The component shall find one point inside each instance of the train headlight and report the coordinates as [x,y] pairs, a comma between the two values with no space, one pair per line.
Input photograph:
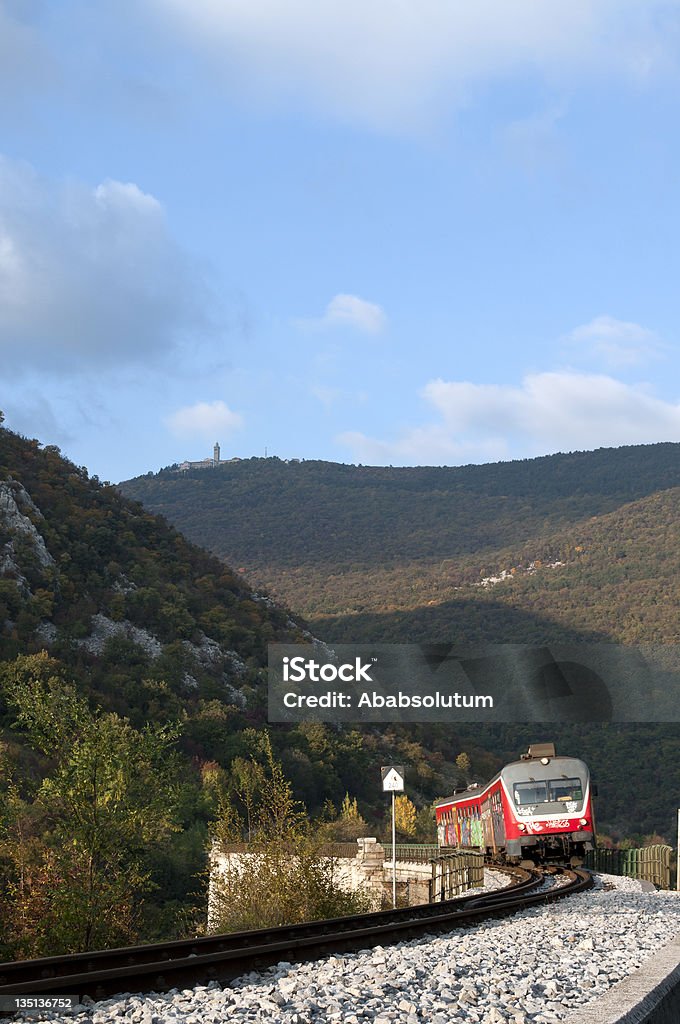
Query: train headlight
[545,760]
[583,821]
[522,827]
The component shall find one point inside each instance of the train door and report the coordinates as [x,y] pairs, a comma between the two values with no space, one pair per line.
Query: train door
[488,826]
[476,829]
[498,822]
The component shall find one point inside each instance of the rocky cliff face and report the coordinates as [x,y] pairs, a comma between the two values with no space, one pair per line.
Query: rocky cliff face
[115,592]
[18,516]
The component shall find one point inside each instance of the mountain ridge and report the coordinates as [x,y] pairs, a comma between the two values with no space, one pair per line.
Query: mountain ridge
[159,631]
[583,547]
[337,541]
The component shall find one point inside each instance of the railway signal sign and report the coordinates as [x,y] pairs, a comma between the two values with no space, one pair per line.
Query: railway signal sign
[393,782]
[393,779]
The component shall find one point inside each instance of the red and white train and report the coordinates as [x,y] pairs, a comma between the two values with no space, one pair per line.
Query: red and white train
[538,808]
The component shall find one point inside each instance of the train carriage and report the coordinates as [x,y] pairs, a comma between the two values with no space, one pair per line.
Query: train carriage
[538,808]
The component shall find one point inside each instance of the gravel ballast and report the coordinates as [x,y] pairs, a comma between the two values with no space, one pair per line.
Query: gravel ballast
[535,967]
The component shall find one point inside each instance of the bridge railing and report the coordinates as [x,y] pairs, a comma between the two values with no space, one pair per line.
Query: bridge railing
[412,853]
[324,849]
[650,863]
[455,873]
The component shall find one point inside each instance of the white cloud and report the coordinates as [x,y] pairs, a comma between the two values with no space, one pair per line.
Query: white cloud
[617,343]
[204,419]
[430,445]
[349,311]
[89,277]
[384,62]
[549,412]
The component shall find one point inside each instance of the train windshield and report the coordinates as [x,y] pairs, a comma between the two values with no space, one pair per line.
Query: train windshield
[561,790]
[530,793]
[548,791]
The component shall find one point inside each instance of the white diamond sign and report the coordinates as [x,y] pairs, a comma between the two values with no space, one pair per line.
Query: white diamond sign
[393,779]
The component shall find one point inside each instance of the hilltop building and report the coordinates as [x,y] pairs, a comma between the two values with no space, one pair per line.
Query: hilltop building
[206,463]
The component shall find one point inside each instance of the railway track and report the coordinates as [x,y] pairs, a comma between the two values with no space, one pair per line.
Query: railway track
[162,966]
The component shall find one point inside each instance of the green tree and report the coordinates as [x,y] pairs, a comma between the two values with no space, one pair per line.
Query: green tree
[24,882]
[107,800]
[284,877]
[426,829]
[247,778]
[346,826]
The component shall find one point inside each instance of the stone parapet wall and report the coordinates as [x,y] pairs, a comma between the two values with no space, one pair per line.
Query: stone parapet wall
[369,871]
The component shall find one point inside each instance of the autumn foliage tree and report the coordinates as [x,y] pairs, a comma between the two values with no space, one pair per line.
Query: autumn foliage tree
[346,826]
[76,847]
[284,876]
[405,816]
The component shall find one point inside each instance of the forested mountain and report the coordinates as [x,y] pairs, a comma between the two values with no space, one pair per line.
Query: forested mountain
[143,632]
[584,546]
[115,592]
[132,663]
[612,577]
[559,545]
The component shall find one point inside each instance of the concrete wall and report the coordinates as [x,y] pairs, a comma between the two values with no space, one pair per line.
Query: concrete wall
[650,995]
[368,871]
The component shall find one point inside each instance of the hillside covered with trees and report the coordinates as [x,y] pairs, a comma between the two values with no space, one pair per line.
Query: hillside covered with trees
[133,713]
[565,548]
[560,545]
[133,681]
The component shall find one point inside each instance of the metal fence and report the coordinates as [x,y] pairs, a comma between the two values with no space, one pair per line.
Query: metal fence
[455,873]
[324,849]
[413,853]
[651,863]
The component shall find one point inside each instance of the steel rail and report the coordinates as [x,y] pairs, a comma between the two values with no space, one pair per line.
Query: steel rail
[162,966]
[76,963]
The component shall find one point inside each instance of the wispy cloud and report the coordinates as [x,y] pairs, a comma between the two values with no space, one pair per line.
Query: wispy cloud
[30,412]
[548,412]
[89,277]
[533,141]
[205,420]
[333,397]
[431,445]
[616,343]
[388,64]
[348,311]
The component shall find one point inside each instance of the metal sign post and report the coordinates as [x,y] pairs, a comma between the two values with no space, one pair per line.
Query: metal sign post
[393,782]
[394,857]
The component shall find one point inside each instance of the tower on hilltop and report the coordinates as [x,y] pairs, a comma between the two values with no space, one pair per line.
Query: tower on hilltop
[216,453]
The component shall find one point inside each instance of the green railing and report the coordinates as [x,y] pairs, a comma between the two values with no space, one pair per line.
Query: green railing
[413,853]
[651,863]
[455,873]
[324,849]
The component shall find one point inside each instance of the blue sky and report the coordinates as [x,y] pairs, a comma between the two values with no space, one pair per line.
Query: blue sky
[388,232]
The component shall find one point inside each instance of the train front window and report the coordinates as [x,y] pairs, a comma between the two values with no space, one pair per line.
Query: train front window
[563,790]
[530,793]
[557,793]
